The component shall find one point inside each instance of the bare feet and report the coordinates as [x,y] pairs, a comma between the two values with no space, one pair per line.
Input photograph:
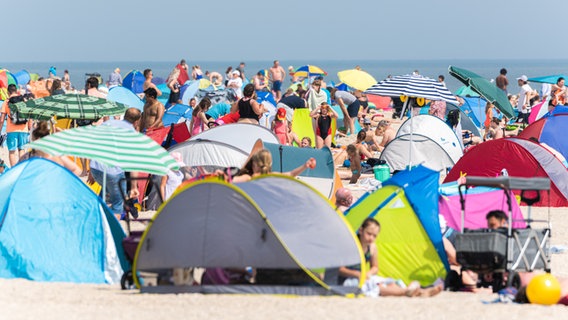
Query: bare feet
[431,291]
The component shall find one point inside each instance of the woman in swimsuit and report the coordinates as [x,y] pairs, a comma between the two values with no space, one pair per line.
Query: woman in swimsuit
[323,115]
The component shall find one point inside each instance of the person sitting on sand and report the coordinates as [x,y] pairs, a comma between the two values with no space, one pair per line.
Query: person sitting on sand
[374,285]
[306,142]
[343,199]
[261,163]
[370,137]
[386,131]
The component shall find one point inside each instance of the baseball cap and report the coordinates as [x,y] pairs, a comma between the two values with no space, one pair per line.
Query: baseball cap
[523,77]
[236,72]
[281,113]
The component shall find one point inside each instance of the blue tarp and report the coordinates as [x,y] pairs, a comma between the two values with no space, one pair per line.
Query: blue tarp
[54,228]
[174,113]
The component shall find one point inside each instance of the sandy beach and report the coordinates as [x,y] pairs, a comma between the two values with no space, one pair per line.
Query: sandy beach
[22,299]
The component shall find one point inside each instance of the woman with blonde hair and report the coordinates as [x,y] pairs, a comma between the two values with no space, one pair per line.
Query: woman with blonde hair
[261,163]
[174,85]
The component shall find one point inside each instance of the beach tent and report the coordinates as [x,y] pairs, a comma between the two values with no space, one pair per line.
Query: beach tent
[188,91]
[549,130]
[474,108]
[302,124]
[210,154]
[177,113]
[240,135]
[134,80]
[267,117]
[22,77]
[425,151]
[273,224]
[521,158]
[126,97]
[465,121]
[54,228]
[410,241]
[435,129]
[479,201]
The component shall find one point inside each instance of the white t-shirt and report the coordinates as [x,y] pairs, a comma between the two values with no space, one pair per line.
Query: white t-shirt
[525,89]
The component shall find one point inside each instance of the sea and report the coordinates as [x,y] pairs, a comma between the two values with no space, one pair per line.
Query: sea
[380,69]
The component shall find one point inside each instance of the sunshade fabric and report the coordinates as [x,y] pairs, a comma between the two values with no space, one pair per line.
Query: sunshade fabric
[486,89]
[425,151]
[412,86]
[72,106]
[357,79]
[246,225]
[552,79]
[110,145]
[240,135]
[200,152]
[308,71]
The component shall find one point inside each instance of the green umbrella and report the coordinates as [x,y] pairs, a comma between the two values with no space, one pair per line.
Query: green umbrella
[124,148]
[486,89]
[72,106]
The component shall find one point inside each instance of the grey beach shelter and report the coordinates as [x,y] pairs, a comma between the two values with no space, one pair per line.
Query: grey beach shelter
[273,224]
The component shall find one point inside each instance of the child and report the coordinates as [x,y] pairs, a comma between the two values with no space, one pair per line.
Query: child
[280,126]
[199,120]
[374,285]
[306,142]
[354,163]
[323,116]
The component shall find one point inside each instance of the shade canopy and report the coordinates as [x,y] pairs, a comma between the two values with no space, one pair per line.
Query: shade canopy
[357,79]
[412,86]
[110,145]
[489,91]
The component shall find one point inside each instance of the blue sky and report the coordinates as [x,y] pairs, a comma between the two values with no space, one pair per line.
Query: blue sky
[167,30]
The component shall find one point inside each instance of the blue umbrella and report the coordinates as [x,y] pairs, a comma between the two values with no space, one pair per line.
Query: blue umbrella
[552,79]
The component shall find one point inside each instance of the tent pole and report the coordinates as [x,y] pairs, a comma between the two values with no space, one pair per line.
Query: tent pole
[104,184]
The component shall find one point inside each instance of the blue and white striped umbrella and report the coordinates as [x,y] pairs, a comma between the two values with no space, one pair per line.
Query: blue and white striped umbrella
[413,86]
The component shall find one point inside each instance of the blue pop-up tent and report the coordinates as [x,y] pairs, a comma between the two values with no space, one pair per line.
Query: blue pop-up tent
[54,228]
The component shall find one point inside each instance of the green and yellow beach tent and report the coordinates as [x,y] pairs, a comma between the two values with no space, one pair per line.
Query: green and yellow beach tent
[274,224]
[410,241]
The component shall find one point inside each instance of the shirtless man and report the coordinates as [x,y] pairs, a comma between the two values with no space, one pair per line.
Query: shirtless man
[370,138]
[277,75]
[386,131]
[148,74]
[153,111]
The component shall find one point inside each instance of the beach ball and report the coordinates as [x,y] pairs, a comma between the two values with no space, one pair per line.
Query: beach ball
[544,289]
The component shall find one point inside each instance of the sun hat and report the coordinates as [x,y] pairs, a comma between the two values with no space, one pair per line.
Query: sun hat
[281,113]
[523,77]
[177,157]
[236,72]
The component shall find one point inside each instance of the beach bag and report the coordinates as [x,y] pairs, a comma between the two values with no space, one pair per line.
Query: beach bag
[15,115]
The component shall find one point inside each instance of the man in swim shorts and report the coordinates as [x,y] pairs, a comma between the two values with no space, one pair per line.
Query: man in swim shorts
[277,75]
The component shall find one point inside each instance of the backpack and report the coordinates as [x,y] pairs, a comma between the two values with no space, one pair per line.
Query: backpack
[15,115]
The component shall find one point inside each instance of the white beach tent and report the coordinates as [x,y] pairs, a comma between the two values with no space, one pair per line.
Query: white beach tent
[435,129]
[424,151]
[274,224]
[239,135]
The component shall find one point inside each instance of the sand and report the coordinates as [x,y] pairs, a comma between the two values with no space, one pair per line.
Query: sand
[22,299]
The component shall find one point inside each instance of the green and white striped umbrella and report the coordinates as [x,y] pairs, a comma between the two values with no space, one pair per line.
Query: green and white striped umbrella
[113,146]
[72,106]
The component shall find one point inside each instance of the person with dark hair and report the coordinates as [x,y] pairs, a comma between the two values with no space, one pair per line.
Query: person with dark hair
[17,134]
[496,219]
[93,88]
[349,106]
[56,88]
[199,119]
[249,109]
[501,81]
[153,111]
[558,92]
[148,75]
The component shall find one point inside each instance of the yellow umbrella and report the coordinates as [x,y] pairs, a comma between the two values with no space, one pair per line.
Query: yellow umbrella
[357,79]
[308,71]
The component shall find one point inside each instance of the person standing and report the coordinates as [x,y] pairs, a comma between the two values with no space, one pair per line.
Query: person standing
[183,74]
[501,81]
[148,75]
[153,111]
[277,75]
[114,79]
[241,69]
[17,134]
[525,95]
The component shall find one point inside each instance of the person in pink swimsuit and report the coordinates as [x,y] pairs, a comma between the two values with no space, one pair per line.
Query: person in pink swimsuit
[280,126]
[199,121]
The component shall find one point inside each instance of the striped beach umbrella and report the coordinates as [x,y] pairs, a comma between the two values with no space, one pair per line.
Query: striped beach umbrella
[416,86]
[120,147]
[71,106]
